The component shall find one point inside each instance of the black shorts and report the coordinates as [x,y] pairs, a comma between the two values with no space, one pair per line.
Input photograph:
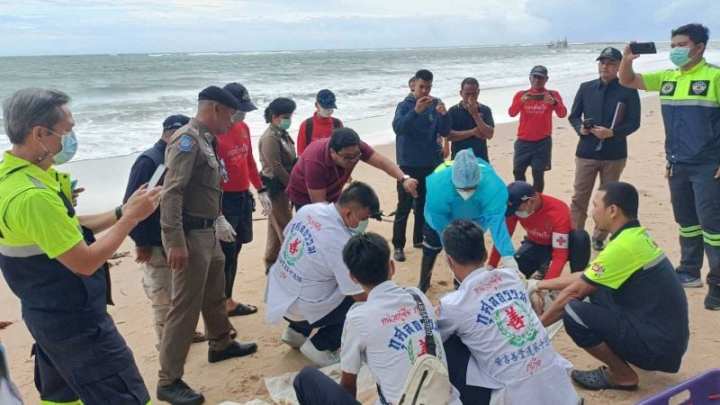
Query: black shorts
[536,154]
[589,324]
[237,207]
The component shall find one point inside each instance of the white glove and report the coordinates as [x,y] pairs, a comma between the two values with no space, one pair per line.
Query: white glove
[224,230]
[265,203]
[532,286]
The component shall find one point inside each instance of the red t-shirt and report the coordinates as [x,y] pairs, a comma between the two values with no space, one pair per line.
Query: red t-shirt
[322,128]
[316,170]
[548,226]
[536,115]
[235,149]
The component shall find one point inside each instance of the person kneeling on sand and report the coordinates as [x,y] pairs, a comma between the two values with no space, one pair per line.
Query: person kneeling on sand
[637,312]
[309,285]
[385,332]
[497,350]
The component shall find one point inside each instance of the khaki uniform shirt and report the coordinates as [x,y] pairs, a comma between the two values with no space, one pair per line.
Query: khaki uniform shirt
[192,181]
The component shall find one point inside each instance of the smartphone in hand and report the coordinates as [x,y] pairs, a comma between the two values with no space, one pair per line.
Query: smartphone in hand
[640,48]
[155,179]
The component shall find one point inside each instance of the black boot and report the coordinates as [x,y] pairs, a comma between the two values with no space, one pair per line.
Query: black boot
[426,268]
[179,393]
[236,349]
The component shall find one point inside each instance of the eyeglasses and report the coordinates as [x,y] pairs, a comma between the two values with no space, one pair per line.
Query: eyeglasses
[351,158]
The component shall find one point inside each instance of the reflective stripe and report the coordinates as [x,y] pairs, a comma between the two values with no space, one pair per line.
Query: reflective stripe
[20,251]
[711,239]
[75,402]
[654,262]
[690,103]
[691,231]
[574,316]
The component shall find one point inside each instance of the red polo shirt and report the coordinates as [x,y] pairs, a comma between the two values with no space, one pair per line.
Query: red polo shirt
[322,128]
[536,115]
[235,149]
[316,170]
[548,226]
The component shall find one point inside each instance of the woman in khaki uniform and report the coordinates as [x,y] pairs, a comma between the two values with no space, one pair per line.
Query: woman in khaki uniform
[277,157]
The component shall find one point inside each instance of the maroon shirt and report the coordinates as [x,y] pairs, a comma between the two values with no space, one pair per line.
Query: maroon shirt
[316,170]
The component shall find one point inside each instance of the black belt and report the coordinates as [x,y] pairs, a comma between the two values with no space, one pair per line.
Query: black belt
[190,223]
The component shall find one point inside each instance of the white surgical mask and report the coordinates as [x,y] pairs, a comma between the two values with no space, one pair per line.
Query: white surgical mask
[465,194]
[360,228]
[522,214]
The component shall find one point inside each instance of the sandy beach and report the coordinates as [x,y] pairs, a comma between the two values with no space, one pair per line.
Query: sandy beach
[242,379]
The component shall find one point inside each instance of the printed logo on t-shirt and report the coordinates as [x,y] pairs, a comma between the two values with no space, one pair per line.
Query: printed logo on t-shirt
[560,240]
[668,88]
[516,324]
[598,269]
[699,87]
[299,241]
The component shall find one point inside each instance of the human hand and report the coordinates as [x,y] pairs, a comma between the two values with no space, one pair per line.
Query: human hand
[75,193]
[627,53]
[410,185]
[142,203]
[602,132]
[549,99]
[524,97]
[143,254]
[422,104]
[223,230]
[177,258]
[265,203]
[440,108]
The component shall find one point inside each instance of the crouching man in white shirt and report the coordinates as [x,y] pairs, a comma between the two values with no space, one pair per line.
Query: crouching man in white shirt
[385,332]
[309,284]
[497,350]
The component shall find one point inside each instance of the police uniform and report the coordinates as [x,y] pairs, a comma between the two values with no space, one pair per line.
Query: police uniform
[189,207]
[79,354]
[691,113]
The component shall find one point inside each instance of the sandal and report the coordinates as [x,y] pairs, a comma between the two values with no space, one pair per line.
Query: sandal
[598,379]
[242,310]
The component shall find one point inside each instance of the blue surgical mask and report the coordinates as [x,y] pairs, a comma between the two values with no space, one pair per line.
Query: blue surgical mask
[68,148]
[360,228]
[680,56]
[285,123]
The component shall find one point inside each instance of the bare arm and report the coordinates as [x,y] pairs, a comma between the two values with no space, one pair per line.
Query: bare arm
[98,222]
[349,383]
[578,289]
[626,74]
[455,136]
[388,166]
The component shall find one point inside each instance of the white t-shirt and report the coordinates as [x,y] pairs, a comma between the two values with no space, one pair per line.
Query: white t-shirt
[386,333]
[510,350]
[309,278]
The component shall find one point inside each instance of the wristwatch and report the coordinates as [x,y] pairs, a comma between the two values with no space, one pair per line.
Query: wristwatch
[403,178]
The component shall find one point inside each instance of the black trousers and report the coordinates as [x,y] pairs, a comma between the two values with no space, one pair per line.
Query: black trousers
[329,327]
[237,209]
[312,387]
[537,155]
[458,356]
[406,202]
[532,257]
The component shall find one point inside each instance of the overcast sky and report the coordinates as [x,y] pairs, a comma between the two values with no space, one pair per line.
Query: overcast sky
[32,27]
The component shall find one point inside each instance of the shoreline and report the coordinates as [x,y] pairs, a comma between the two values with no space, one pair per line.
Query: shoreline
[242,379]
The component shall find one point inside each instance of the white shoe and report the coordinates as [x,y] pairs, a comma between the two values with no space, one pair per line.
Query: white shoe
[320,358]
[293,338]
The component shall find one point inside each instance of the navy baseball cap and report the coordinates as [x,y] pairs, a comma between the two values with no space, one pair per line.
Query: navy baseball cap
[242,95]
[326,98]
[175,121]
[539,70]
[518,193]
[610,53]
[218,95]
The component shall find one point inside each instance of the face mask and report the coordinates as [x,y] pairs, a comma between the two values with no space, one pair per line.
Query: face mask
[285,123]
[466,194]
[325,112]
[680,56]
[522,214]
[238,116]
[68,148]
[360,228]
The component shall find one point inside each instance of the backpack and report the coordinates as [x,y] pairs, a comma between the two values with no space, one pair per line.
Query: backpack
[428,382]
[309,128]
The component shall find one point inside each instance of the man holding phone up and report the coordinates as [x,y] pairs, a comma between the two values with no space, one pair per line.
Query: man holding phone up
[534,146]
[690,98]
[603,114]
[419,120]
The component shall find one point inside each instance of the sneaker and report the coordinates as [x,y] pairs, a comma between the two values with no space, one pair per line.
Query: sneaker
[236,349]
[688,281]
[293,338]
[598,245]
[179,393]
[320,358]
[399,255]
[712,299]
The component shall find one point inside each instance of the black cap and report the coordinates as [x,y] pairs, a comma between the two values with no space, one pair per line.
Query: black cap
[282,105]
[241,94]
[610,53]
[326,99]
[539,70]
[518,193]
[175,121]
[218,95]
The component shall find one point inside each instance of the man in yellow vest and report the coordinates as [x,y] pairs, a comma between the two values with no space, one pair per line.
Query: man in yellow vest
[79,354]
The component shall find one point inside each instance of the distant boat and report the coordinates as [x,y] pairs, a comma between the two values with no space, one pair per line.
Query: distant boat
[558,44]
